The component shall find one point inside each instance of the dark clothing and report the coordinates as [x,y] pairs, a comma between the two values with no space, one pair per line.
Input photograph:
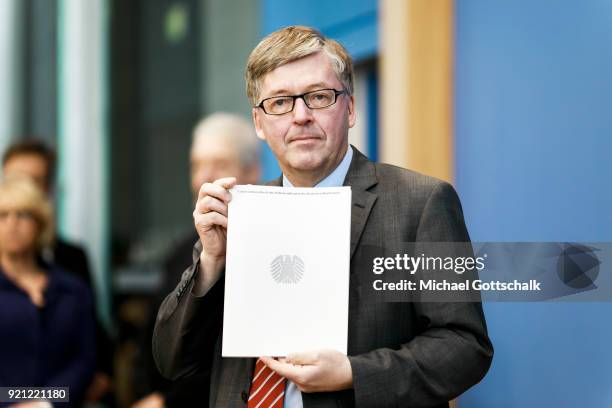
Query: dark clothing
[410,354]
[190,391]
[53,345]
[73,259]
[175,263]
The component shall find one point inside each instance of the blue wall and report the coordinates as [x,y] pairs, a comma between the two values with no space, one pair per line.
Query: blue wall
[352,23]
[533,129]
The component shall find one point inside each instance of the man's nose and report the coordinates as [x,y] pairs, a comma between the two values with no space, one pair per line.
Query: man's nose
[301,113]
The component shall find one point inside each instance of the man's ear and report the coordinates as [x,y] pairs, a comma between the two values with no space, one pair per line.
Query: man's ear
[351,112]
[257,123]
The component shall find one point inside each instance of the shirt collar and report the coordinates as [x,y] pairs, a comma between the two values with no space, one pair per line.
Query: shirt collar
[336,178]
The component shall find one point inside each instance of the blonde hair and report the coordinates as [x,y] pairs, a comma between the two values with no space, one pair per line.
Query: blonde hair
[289,44]
[21,193]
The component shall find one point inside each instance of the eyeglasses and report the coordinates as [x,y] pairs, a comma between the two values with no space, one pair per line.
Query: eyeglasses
[319,99]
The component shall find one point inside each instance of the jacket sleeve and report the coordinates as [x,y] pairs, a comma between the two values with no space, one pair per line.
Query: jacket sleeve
[452,351]
[187,326]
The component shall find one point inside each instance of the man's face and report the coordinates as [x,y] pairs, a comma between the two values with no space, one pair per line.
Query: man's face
[213,158]
[30,165]
[305,141]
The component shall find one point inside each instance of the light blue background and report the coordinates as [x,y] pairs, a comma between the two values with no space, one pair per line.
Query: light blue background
[533,128]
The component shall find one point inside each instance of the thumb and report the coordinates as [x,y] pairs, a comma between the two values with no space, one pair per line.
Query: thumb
[303,358]
[226,182]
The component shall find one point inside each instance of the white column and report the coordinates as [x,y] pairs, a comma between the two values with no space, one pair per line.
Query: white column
[83,136]
[11,78]
[394,138]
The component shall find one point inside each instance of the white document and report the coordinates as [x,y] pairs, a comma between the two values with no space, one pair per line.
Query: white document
[287,270]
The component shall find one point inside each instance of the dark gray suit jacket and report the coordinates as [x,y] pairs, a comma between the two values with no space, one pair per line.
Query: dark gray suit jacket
[411,354]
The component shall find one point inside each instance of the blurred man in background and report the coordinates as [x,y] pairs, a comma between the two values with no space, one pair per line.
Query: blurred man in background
[34,159]
[223,145]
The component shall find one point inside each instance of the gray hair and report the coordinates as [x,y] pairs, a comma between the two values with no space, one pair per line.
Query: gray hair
[233,128]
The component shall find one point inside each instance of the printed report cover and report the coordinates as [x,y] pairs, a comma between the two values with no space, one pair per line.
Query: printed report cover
[287,270]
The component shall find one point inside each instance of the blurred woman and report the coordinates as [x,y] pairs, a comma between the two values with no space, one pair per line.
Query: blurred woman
[47,326]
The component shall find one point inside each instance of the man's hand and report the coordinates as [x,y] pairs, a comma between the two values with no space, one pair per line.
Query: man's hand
[210,219]
[315,371]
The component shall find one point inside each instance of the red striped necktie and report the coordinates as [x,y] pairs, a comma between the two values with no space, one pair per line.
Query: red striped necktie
[267,388]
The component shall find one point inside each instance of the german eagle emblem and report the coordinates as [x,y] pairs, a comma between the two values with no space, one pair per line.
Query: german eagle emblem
[287,269]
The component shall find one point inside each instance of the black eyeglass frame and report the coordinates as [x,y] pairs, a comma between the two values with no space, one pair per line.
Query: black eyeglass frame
[300,96]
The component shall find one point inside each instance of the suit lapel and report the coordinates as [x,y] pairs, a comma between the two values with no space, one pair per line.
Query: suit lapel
[361,176]
[361,205]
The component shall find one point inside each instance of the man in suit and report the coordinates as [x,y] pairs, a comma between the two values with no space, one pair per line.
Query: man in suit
[400,354]
[223,144]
